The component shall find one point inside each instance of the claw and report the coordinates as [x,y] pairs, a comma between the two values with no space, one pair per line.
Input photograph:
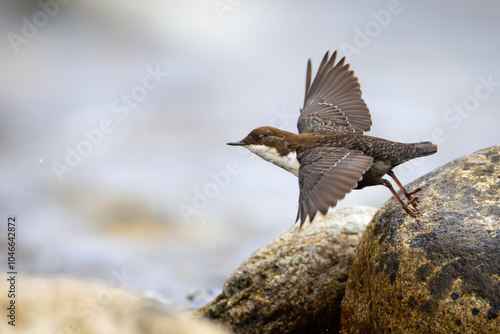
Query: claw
[414,201]
[412,212]
[416,190]
[413,197]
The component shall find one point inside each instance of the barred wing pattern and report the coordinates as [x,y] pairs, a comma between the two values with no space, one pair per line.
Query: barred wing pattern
[333,100]
[326,175]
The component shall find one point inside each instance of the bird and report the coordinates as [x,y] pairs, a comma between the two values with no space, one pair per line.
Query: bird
[331,155]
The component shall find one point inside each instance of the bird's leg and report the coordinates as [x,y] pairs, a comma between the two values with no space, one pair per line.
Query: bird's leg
[412,212]
[413,200]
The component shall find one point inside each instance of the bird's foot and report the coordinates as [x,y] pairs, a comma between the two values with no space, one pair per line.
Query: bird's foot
[412,211]
[416,190]
[413,199]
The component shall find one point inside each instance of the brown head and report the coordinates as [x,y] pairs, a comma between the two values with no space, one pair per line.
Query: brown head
[273,145]
[282,141]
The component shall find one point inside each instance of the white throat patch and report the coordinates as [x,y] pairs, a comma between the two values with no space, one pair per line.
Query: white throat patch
[288,162]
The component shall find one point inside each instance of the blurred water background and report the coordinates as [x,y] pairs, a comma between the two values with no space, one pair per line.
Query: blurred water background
[114,117]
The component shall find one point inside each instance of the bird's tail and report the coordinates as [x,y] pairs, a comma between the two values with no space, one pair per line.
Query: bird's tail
[425,148]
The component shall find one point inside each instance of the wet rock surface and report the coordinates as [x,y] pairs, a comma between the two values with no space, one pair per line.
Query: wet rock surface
[294,284]
[437,275]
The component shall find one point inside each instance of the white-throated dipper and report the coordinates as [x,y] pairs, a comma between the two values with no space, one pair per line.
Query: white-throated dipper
[331,155]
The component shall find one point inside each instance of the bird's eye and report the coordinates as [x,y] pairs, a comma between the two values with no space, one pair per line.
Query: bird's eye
[259,137]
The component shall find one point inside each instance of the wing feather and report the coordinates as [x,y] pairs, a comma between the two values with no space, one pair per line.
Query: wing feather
[326,175]
[333,101]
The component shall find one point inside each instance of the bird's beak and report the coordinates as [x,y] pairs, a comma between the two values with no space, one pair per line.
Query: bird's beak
[237,143]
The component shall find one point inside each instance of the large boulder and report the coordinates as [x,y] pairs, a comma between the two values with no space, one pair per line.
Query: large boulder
[437,275]
[296,283]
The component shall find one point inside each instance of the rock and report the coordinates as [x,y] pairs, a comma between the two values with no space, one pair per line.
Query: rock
[437,275]
[49,304]
[295,284]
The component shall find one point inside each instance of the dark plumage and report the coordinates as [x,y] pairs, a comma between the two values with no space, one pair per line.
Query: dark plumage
[331,155]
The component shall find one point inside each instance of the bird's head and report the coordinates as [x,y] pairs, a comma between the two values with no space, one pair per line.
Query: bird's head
[267,136]
[274,145]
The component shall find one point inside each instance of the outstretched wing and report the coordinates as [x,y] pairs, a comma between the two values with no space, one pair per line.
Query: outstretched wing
[333,101]
[326,175]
